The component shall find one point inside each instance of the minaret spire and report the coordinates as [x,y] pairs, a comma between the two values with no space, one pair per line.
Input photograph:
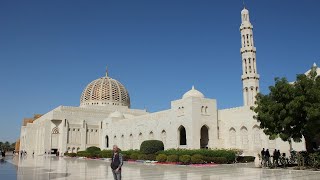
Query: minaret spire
[250,76]
[106,71]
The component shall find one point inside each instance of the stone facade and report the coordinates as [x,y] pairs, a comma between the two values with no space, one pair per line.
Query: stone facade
[104,118]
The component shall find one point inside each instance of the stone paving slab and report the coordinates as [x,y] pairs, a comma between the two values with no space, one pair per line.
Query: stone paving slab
[45,168]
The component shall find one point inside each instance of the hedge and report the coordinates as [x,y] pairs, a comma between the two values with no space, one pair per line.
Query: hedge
[151,146]
[228,154]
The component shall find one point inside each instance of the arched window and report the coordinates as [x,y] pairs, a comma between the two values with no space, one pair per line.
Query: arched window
[256,137]
[55,130]
[107,141]
[244,137]
[182,136]
[232,137]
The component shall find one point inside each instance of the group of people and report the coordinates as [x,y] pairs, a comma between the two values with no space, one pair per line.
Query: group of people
[265,156]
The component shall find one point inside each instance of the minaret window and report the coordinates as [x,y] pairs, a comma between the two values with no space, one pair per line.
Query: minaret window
[245,63]
[244,40]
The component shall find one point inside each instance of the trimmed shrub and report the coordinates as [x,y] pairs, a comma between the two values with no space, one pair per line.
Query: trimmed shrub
[71,154]
[142,157]
[151,146]
[185,159]
[173,158]
[151,157]
[93,149]
[82,154]
[197,159]
[208,159]
[219,160]
[227,153]
[161,158]
[245,159]
[134,156]
[106,153]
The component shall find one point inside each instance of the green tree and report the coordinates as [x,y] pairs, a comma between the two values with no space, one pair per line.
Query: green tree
[6,146]
[1,145]
[291,111]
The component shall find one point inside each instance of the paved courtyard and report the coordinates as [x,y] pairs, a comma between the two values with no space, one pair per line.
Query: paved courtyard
[42,168]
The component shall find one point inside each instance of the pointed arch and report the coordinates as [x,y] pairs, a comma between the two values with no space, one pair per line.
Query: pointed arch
[182,135]
[204,136]
[244,137]
[107,141]
[164,137]
[232,137]
[256,137]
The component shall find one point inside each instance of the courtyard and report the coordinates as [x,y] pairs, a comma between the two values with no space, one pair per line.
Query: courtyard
[51,167]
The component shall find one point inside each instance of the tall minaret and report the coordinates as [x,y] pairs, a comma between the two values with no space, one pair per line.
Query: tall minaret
[250,76]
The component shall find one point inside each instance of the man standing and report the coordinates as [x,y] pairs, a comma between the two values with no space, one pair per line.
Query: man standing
[116,163]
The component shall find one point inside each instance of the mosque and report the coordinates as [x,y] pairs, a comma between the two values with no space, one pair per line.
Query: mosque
[104,118]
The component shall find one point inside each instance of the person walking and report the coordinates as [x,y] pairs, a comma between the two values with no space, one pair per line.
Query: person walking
[267,157]
[263,157]
[116,163]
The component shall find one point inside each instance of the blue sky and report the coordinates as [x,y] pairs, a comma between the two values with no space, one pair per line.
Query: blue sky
[50,50]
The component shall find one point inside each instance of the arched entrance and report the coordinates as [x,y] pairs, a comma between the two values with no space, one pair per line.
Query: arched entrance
[204,138]
[182,136]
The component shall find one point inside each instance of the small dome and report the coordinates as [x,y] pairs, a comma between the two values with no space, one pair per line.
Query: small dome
[116,114]
[193,93]
[104,91]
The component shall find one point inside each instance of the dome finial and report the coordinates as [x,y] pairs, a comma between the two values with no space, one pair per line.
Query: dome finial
[314,64]
[192,86]
[106,71]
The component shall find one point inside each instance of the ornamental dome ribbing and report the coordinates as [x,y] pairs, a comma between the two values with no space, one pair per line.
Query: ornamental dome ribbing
[104,91]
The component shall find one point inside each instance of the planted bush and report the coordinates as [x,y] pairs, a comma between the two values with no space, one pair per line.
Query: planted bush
[134,156]
[82,154]
[197,159]
[173,158]
[244,159]
[71,154]
[151,157]
[161,158]
[185,159]
[93,149]
[151,146]
[142,157]
[219,160]
[228,154]
[106,153]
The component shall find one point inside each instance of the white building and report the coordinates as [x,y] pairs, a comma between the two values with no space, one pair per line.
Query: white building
[105,118]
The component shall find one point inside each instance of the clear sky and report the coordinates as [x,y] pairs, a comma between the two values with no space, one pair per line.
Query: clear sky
[50,50]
